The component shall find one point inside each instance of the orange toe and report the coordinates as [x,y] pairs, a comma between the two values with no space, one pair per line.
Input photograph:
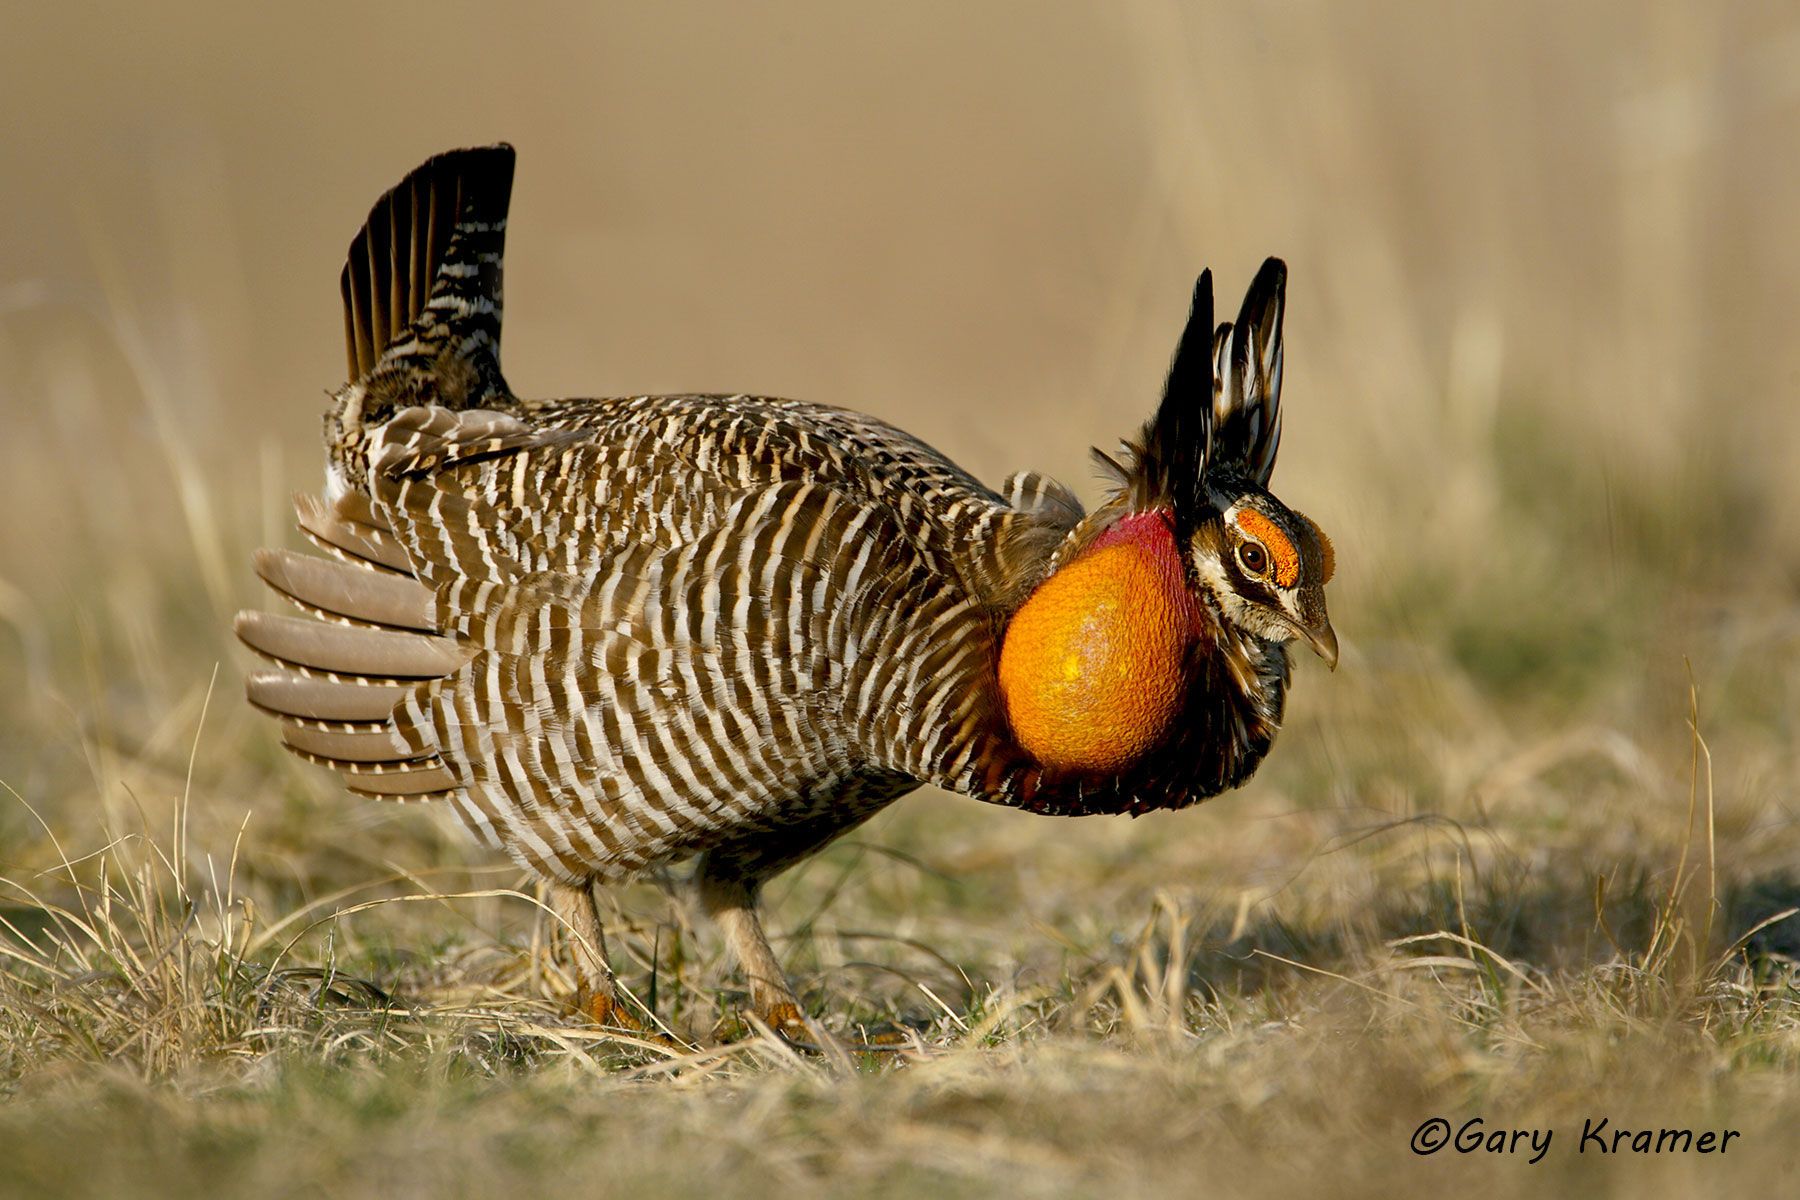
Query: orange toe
[605,1011]
[786,1019]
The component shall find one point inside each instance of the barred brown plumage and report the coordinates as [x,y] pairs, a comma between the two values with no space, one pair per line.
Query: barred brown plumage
[615,633]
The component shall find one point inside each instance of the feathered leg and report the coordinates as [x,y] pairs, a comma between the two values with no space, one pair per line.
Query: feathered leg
[731,875]
[595,994]
[730,900]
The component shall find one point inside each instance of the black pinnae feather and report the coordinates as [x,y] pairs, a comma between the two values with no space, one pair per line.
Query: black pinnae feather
[1176,442]
[1246,425]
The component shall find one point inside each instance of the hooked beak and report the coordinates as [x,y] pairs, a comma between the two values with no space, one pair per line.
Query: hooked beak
[1323,640]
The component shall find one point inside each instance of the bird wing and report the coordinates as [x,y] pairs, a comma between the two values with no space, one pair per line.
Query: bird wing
[628,632]
[656,657]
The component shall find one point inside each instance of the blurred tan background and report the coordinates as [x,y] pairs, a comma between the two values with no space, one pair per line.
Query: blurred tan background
[1545,260]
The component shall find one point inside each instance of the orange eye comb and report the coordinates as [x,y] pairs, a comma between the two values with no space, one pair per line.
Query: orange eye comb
[1286,559]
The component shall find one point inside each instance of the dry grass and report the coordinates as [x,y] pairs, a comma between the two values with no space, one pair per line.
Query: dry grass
[1530,855]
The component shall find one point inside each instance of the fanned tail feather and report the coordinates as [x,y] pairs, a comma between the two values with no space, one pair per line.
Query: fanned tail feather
[337,675]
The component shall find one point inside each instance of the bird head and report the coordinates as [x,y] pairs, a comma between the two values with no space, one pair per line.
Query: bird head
[1265,567]
[1194,557]
[1207,457]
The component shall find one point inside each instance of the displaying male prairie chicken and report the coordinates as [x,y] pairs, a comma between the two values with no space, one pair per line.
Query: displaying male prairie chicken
[618,633]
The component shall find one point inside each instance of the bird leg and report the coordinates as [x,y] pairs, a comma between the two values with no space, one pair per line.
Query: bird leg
[595,994]
[731,874]
[730,901]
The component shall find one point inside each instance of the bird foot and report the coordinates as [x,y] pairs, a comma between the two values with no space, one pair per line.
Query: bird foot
[604,1010]
[788,1021]
[783,1019]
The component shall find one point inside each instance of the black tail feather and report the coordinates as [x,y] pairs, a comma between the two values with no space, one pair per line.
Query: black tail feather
[434,241]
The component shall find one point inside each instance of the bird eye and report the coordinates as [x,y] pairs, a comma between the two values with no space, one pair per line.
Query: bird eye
[1253,557]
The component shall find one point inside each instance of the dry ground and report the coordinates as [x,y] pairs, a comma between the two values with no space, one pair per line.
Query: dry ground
[1530,856]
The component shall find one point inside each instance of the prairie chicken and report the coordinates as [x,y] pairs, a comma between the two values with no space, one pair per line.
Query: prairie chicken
[618,633]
